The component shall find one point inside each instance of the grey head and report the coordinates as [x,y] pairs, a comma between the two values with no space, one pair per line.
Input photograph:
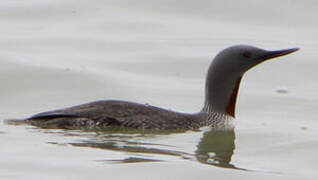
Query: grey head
[225,73]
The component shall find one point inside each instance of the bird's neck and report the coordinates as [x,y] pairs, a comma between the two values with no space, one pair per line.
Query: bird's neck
[221,93]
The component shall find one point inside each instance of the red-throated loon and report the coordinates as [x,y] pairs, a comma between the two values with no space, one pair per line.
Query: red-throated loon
[222,84]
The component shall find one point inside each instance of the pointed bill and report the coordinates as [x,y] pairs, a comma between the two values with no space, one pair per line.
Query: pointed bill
[274,54]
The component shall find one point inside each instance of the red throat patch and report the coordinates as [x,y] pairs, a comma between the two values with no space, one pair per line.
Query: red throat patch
[230,107]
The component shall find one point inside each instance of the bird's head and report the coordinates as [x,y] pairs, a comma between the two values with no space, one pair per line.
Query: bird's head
[225,73]
[240,58]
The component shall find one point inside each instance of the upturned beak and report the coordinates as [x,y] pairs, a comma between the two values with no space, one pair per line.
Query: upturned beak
[273,54]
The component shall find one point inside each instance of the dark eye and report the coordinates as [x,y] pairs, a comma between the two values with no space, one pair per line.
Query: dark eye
[247,54]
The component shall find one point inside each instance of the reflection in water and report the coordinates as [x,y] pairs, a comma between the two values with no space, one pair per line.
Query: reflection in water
[129,143]
[216,148]
[134,160]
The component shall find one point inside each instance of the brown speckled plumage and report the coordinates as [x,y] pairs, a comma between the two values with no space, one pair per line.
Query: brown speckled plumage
[117,113]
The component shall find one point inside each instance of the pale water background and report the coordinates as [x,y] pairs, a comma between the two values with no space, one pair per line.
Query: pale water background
[57,53]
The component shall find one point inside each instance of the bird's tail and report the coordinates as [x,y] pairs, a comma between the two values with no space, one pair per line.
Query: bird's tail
[15,122]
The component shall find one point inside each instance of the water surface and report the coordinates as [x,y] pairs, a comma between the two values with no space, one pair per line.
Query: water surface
[56,54]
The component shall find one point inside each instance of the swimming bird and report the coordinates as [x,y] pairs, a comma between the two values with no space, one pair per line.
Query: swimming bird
[221,89]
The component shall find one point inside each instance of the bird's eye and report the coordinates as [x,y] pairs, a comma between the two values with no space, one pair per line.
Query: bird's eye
[247,54]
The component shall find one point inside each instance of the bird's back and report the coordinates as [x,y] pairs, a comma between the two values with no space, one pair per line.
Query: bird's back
[116,113]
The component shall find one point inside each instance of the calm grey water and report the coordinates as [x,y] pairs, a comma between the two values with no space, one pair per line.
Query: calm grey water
[57,53]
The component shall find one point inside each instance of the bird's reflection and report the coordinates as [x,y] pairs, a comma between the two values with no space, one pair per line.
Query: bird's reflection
[216,148]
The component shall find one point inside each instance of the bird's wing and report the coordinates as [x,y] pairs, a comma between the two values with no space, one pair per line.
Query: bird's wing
[115,113]
[100,111]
